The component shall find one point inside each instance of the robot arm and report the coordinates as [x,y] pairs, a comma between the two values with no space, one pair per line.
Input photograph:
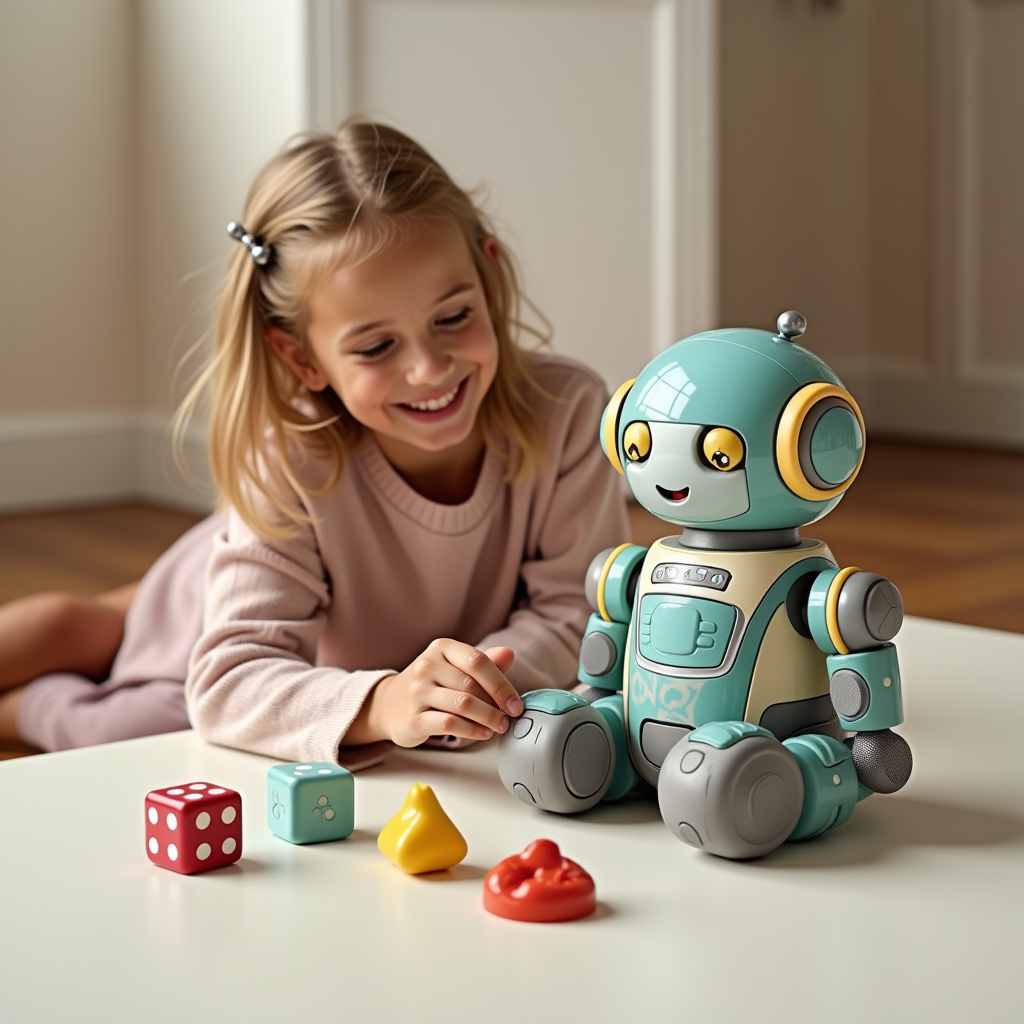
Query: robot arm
[852,616]
[610,587]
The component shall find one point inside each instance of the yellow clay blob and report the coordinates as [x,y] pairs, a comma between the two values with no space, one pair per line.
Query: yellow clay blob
[421,837]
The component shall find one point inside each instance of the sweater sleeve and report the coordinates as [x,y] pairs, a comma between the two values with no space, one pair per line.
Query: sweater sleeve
[579,509]
[252,680]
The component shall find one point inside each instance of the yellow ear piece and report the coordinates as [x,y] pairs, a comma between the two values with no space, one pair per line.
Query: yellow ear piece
[723,448]
[819,447]
[610,424]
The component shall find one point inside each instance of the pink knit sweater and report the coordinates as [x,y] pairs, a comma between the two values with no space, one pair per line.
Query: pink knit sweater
[297,632]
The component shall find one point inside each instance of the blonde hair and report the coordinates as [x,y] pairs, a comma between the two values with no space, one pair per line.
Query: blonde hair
[324,200]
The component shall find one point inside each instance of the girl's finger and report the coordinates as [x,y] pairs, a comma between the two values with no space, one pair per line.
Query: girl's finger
[444,673]
[503,657]
[442,723]
[479,667]
[470,707]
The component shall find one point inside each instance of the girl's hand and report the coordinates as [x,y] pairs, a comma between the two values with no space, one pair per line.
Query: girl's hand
[450,689]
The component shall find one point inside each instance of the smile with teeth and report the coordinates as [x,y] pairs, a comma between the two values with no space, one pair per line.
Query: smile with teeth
[668,495]
[435,404]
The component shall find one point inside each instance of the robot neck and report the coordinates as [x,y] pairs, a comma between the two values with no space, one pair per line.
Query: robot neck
[739,540]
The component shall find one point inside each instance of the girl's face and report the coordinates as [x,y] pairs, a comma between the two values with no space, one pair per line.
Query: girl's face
[406,341]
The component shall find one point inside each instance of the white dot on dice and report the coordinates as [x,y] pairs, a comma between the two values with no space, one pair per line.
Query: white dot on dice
[204,851]
[172,851]
[198,785]
[325,771]
[329,814]
[303,767]
[216,792]
[323,801]
[154,846]
[172,822]
[153,816]
[228,846]
[193,796]
[175,792]
[227,815]
[202,820]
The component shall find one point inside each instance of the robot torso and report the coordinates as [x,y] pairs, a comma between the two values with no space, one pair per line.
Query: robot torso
[711,639]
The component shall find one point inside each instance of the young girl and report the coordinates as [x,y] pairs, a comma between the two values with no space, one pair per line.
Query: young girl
[412,499]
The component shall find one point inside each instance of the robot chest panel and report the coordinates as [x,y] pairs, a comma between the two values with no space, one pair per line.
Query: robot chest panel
[693,608]
[685,631]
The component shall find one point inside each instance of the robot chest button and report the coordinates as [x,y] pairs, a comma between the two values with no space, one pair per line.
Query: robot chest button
[686,632]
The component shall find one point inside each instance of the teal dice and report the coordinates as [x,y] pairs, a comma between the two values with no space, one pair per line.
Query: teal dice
[310,801]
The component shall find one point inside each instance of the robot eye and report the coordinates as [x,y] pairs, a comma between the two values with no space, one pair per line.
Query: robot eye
[637,441]
[723,448]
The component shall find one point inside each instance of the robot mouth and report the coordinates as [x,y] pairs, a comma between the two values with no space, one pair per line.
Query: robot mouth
[677,496]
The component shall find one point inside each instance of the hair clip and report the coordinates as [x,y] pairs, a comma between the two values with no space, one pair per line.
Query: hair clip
[259,252]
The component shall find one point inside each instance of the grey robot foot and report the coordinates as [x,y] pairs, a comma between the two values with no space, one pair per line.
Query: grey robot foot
[883,760]
[730,788]
[559,754]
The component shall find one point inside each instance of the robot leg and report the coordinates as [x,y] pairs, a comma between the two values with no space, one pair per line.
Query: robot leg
[730,788]
[565,755]
[831,786]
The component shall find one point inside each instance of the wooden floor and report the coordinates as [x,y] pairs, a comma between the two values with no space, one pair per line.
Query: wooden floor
[945,524]
[84,550]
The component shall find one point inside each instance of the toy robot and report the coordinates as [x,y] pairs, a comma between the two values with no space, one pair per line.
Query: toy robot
[743,653]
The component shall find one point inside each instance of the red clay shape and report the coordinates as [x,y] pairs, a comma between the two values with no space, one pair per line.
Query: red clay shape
[539,884]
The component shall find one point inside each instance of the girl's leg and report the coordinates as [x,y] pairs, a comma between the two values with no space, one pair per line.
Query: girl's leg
[9,702]
[64,710]
[57,632]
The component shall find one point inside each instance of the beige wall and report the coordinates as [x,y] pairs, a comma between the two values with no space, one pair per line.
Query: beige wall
[67,207]
[795,160]
[221,86]
[869,154]
[131,133]
[902,181]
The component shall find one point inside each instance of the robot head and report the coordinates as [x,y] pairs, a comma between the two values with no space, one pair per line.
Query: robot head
[736,429]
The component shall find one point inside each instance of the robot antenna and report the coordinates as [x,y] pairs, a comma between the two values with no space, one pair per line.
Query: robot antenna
[792,324]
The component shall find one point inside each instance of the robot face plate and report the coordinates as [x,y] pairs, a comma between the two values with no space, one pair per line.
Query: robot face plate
[674,483]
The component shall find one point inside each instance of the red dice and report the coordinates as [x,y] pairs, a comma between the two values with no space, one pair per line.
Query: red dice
[193,827]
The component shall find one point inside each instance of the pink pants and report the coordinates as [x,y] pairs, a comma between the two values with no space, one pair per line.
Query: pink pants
[64,710]
[145,693]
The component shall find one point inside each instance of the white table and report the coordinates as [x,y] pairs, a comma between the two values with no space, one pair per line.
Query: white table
[912,911]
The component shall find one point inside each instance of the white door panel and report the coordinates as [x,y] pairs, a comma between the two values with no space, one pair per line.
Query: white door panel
[973,389]
[872,167]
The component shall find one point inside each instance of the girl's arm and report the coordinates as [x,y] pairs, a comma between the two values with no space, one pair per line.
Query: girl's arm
[253,682]
[579,510]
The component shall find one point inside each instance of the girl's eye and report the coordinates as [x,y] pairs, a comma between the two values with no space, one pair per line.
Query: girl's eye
[455,319]
[376,350]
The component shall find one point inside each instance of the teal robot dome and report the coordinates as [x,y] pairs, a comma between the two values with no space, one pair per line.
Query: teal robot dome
[736,429]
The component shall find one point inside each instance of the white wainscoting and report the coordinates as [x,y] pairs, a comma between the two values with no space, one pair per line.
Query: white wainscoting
[55,460]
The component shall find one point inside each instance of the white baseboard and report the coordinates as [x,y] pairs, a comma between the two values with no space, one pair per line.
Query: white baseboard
[56,460]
